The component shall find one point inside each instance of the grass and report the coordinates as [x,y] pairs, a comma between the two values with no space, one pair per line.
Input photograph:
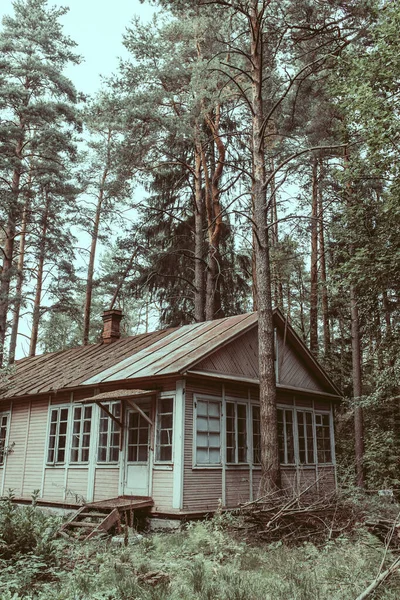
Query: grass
[204,562]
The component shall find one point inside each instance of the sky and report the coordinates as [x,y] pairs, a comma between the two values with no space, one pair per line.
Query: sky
[97,26]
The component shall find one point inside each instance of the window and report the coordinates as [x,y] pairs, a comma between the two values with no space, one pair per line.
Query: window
[306,438]
[81,426]
[164,429]
[109,434]
[58,435]
[3,436]
[322,432]
[236,433]
[313,442]
[138,437]
[285,436]
[208,432]
[256,435]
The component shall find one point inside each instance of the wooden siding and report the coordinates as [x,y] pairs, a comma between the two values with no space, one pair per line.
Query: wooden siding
[237,487]
[202,488]
[162,489]
[240,358]
[16,459]
[292,371]
[54,484]
[106,483]
[35,454]
[77,483]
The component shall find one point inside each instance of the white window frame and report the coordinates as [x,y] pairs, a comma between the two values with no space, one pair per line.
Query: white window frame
[111,423]
[236,402]
[3,452]
[81,433]
[294,431]
[58,408]
[157,428]
[215,400]
[314,413]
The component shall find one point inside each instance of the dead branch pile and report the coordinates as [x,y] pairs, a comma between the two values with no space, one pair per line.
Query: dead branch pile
[297,519]
[387,530]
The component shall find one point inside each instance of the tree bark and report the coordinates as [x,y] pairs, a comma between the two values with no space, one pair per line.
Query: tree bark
[39,277]
[314,263]
[270,466]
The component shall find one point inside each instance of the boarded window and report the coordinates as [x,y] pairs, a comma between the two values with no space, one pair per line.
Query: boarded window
[138,437]
[208,432]
[164,429]
[236,432]
[58,435]
[109,434]
[3,436]
[81,427]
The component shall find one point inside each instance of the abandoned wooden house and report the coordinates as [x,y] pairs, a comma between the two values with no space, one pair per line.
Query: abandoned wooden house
[172,416]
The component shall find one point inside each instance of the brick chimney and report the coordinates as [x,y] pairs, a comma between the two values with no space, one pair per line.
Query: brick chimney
[111,321]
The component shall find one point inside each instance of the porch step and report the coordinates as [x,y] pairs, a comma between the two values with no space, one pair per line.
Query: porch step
[97,518]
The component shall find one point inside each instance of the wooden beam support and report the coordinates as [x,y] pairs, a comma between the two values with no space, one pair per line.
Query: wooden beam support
[113,417]
[139,410]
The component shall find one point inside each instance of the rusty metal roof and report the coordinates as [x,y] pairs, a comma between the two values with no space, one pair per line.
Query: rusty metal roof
[165,352]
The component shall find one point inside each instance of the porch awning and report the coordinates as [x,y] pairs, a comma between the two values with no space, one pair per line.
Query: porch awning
[127,395]
[116,395]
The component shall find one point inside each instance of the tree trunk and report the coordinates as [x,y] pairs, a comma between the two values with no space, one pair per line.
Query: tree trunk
[322,270]
[199,295]
[19,284]
[314,263]
[214,214]
[8,250]
[357,388]
[93,246]
[270,466]
[356,359]
[39,278]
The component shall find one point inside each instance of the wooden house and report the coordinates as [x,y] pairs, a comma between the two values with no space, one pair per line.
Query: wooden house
[171,415]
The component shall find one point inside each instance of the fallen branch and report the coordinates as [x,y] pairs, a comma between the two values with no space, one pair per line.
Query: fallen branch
[379,580]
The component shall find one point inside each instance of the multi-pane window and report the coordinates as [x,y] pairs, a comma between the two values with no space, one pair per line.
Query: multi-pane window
[138,437]
[322,433]
[164,429]
[3,436]
[256,435]
[208,432]
[58,435]
[236,433]
[313,437]
[306,437]
[109,434]
[285,436]
[81,426]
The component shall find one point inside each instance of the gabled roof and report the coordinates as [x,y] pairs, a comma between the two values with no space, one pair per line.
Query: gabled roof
[164,352]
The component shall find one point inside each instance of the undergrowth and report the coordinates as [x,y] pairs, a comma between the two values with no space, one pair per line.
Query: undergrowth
[203,562]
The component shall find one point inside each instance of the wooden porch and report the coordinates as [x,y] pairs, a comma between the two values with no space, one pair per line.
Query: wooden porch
[97,518]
